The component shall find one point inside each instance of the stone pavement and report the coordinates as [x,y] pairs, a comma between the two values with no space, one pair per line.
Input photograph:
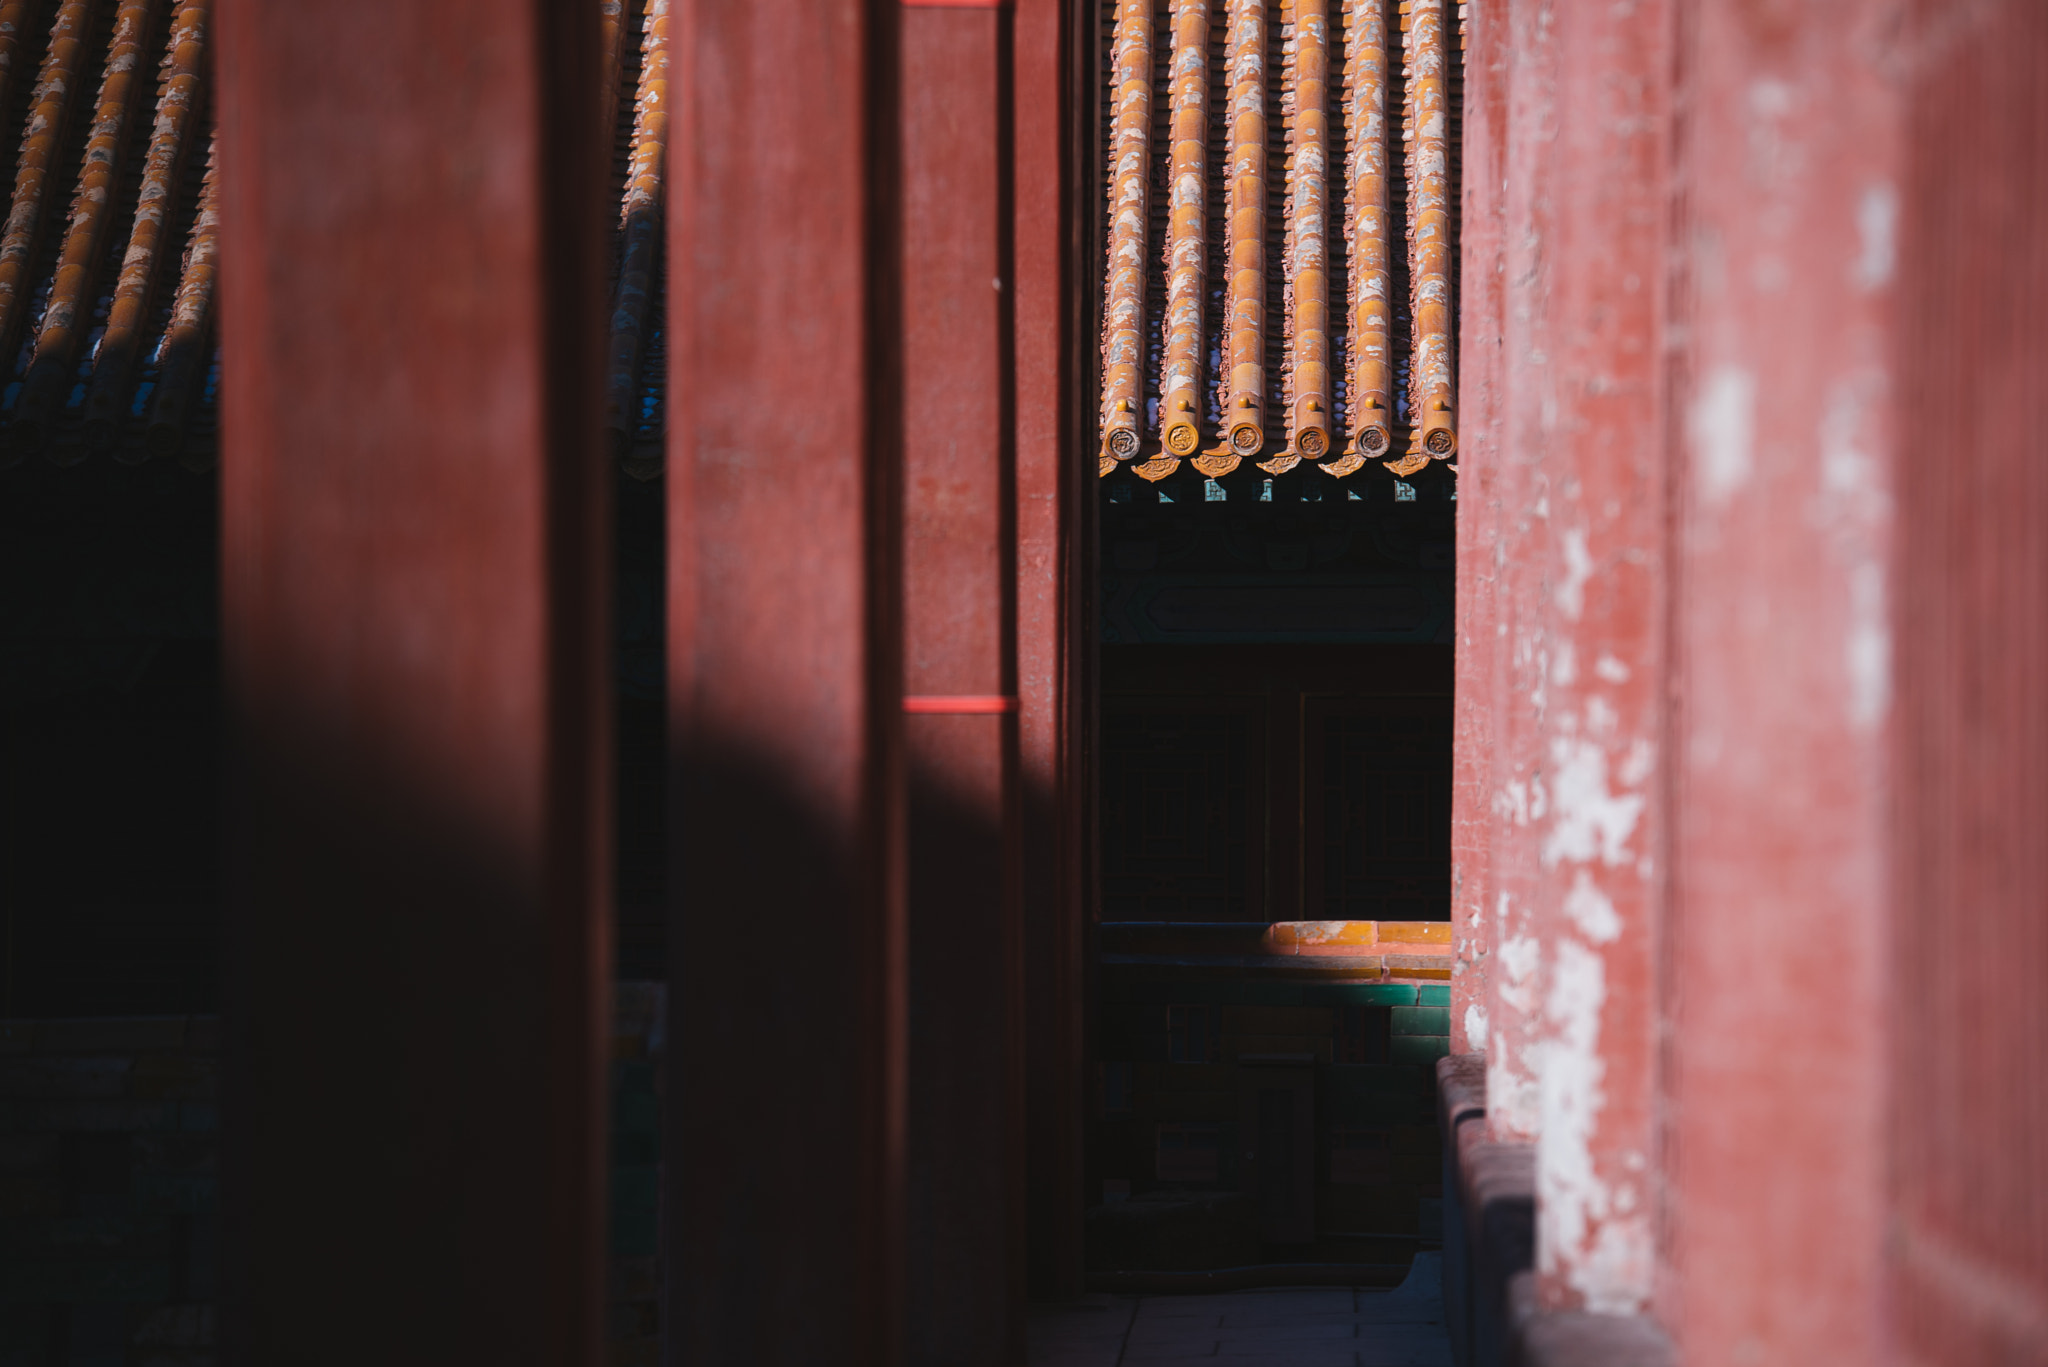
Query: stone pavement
[1307,1327]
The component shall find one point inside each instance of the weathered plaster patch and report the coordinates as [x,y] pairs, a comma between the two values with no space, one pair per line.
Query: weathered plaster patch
[1590,910]
[1723,429]
[1877,223]
[1848,472]
[1868,647]
[1636,764]
[1611,669]
[1570,1075]
[1512,802]
[1475,1028]
[1586,1232]
[1519,958]
[1578,568]
[1618,1268]
[1514,1105]
[1853,500]
[1592,822]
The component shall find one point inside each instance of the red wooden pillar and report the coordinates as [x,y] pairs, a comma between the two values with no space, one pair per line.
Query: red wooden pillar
[785,1149]
[966,1160]
[416,616]
[1789,182]
[1969,1043]
[1520,598]
[1597,812]
[1480,658]
[1052,497]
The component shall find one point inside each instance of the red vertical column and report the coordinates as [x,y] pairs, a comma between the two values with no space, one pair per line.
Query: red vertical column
[1597,809]
[1520,596]
[415,613]
[1789,172]
[1969,1222]
[966,1159]
[1054,811]
[785,1149]
[1480,659]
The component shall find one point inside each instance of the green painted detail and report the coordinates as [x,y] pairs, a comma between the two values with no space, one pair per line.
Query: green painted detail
[1419,1050]
[1422,1020]
[1434,994]
[1362,994]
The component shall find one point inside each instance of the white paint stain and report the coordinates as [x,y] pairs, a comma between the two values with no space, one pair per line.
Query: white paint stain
[1723,429]
[1571,1074]
[1847,470]
[1586,1232]
[1637,764]
[1853,493]
[1578,568]
[1512,803]
[1519,958]
[1611,669]
[1616,1273]
[1590,910]
[1593,822]
[1564,666]
[1868,647]
[1514,1106]
[1877,223]
[1475,1028]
